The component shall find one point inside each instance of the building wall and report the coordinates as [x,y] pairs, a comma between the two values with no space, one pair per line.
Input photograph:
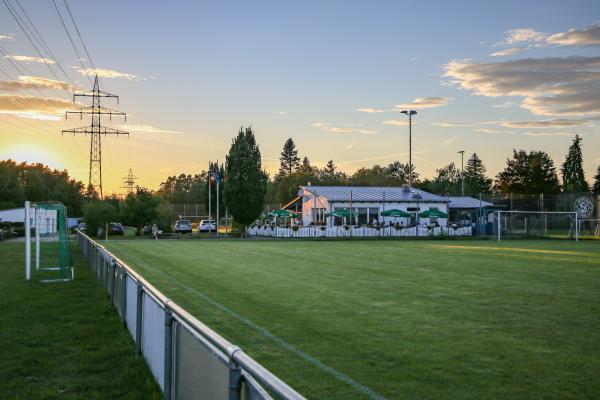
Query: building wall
[308,203]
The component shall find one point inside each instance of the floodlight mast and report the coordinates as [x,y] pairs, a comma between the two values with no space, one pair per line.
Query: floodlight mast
[410,113]
[462,172]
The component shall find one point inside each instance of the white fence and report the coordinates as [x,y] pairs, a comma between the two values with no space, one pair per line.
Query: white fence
[361,232]
[187,358]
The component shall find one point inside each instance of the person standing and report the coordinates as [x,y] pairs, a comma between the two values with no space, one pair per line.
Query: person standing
[154,231]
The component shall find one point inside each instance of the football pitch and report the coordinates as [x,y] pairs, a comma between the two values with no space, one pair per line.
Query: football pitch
[395,319]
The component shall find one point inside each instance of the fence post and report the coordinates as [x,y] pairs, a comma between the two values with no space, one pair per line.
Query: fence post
[168,371]
[124,297]
[235,379]
[138,319]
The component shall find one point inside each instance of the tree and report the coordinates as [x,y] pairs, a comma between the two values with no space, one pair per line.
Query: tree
[11,193]
[528,173]
[596,186]
[289,159]
[246,181]
[140,208]
[475,179]
[399,171]
[98,213]
[184,188]
[447,180]
[572,169]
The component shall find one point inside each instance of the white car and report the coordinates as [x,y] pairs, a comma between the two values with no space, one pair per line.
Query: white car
[207,225]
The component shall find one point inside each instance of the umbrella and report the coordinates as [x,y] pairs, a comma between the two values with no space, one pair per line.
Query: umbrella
[395,213]
[341,213]
[283,214]
[433,213]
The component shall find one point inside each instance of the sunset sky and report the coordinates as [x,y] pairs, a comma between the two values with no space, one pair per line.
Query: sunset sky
[485,77]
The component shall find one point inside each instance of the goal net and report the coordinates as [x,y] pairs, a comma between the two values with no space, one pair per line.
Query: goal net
[589,228]
[47,242]
[536,224]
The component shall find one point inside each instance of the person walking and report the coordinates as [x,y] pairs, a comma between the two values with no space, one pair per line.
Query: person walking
[154,231]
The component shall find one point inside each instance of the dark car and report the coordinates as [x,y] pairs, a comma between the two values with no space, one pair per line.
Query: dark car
[114,228]
[183,226]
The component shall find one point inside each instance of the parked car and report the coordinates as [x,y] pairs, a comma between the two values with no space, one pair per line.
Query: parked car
[207,225]
[114,228]
[183,226]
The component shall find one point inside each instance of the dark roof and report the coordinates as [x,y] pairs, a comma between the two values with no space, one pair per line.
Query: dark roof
[458,202]
[373,194]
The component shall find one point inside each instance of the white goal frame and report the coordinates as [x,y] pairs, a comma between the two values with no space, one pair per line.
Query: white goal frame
[499,215]
[30,208]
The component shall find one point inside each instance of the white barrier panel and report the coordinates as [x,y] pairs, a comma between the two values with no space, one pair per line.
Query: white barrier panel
[131,307]
[202,371]
[153,338]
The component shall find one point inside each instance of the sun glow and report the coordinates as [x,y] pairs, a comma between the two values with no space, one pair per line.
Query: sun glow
[31,153]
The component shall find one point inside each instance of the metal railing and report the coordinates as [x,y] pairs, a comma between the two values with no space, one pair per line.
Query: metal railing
[187,358]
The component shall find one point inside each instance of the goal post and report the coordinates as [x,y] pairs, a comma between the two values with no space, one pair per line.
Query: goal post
[537,224]
[46,224]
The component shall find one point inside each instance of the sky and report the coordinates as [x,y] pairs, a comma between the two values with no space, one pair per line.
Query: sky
[484,77]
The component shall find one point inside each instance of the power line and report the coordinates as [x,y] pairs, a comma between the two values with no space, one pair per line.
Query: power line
[43,43]
[9,7]
[79,58]
[79,34]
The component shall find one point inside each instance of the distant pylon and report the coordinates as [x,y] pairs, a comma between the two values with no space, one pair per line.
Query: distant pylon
[95,130]
[129,182]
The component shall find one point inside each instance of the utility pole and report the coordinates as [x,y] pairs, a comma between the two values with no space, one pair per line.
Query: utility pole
[129,182]
[95,131]
[410,113]
[462,172]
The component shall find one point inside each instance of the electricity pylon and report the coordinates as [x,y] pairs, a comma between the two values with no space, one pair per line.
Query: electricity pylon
[95,131]
[129,182]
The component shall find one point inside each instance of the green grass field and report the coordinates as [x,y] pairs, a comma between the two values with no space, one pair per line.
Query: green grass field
[64,340]
[396,319]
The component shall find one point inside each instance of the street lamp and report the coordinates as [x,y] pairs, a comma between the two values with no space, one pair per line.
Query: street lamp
[410,113]
[462,172]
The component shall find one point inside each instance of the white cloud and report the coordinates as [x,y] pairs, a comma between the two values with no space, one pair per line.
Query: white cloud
[526,36]
[546,123]
[396,122]
[371,110]
[558,133]
[35,82]
[282,113]
[351,145]
[449,141]
[487,130]
[508,52]
[30,106]
[549,86]
[506,104]
[349,128]
[6,37]
[29,59]
[107,73]
[424,102]
[452,124]
[146,128]
[586,37]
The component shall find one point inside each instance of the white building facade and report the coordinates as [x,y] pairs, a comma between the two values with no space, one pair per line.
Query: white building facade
[367,204]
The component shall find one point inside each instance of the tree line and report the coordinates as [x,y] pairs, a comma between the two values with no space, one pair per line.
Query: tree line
[245,186]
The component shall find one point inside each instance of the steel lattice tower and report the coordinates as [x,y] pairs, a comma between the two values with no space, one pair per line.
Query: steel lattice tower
[96,130]
[129,182]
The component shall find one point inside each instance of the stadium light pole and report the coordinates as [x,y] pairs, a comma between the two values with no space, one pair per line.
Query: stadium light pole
[462,172]
[410,113]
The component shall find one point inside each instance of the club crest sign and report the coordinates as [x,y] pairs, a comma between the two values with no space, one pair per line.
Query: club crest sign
[583,207]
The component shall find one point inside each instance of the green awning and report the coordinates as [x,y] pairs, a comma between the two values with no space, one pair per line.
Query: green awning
[395,213]
[283,214]
[433,213]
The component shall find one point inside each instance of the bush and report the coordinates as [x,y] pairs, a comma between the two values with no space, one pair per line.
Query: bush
[97,214]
